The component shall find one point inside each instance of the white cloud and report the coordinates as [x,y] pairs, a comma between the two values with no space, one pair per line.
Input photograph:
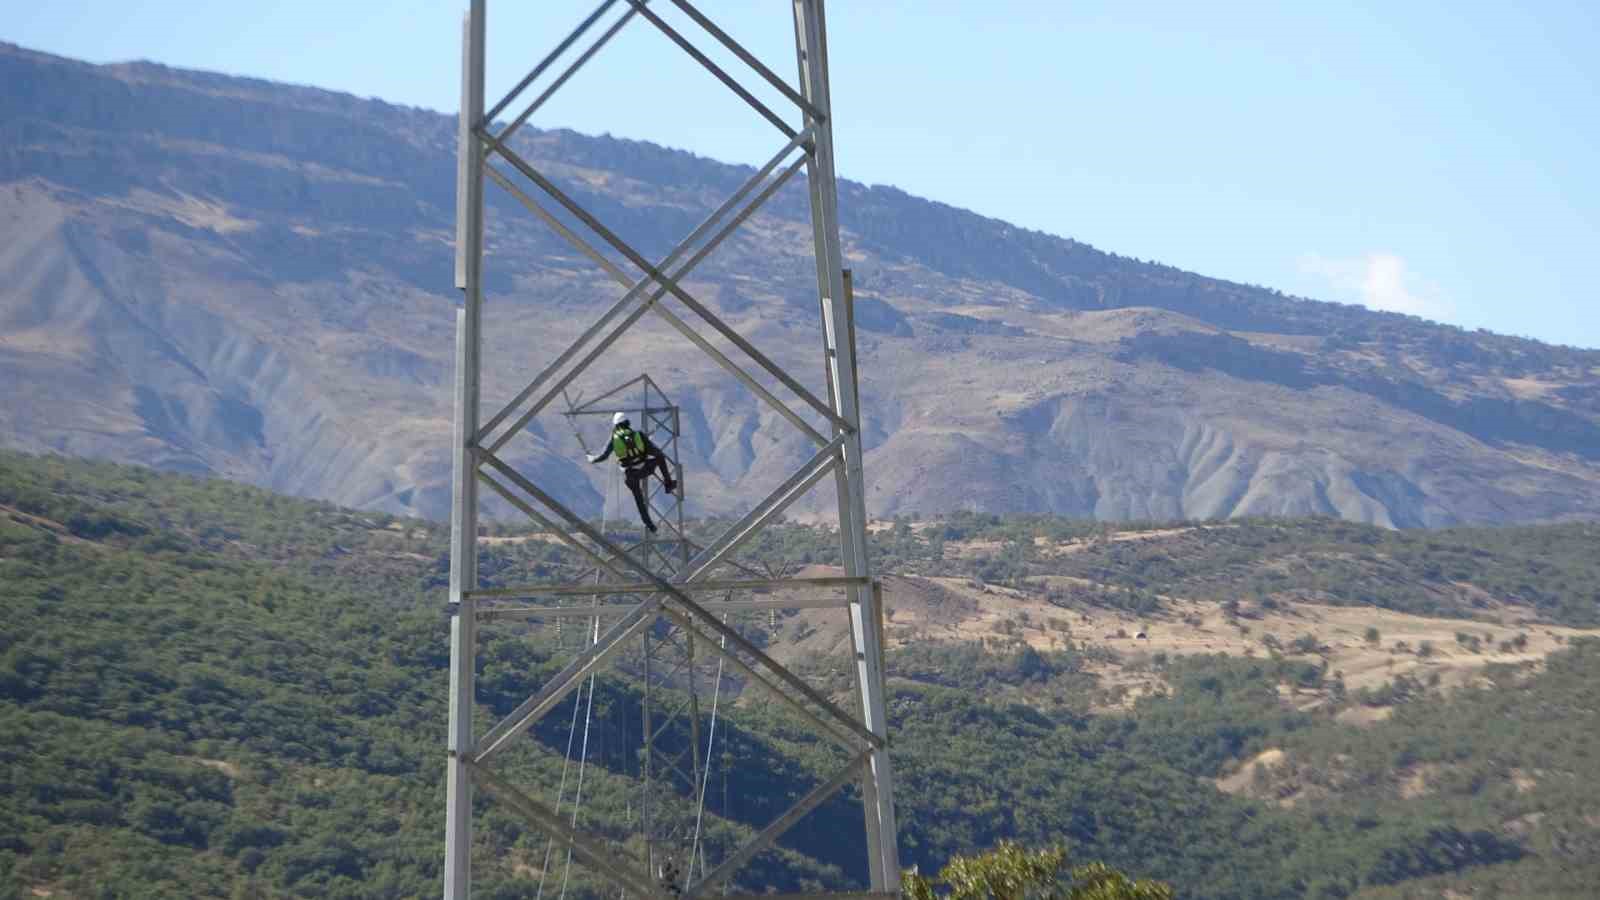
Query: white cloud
[1379,281]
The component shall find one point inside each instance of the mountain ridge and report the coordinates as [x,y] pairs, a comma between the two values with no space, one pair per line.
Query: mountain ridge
[226,275]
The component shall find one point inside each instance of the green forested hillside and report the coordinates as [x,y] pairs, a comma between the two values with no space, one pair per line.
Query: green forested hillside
[208,690]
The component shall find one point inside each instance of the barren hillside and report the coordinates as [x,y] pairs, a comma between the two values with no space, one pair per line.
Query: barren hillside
[223,275]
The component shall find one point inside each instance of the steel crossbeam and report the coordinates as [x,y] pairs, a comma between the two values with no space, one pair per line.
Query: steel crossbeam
[618,609]
[666,616]
[747,584]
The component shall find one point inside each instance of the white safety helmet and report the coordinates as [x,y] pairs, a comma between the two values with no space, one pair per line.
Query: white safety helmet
[619,418]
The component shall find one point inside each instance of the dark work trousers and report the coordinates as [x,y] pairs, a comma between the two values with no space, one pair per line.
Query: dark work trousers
[638,478]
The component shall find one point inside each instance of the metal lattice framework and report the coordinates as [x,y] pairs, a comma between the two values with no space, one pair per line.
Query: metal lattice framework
[659,419]
[632,591]
[667,652]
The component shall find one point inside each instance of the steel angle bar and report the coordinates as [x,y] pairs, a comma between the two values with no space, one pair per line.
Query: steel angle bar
[587,408]
[783,674]
[677,641]
[674,766]
[633,288]
[530,512]
[604,863]
[667,768]
[841,895]
[771,187]
[551,57]
[599,540]
[661,725]
[639,587]
[810,715]
[566,681]
[549,218]
[690,609]
[739,340]
[877,782]
[666,521]
[675,716]
[722,76]
[749,59]
[744,377]
[733,564]
[571,205]
[672,535]
[550,370]
[570,71]
[564,381]
[457,873]
[655,548]
[670,283]
[585,528]
[783,823]
[777,501]
[722,359]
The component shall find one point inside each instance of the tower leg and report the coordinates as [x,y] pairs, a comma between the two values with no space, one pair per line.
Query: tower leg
[464,482]
[839,350]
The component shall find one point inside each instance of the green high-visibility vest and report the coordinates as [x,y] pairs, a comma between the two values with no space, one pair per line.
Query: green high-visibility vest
[627,444]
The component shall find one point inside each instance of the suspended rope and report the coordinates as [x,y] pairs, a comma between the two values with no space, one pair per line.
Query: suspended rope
[705,776]
[572,731]
[561,792]
[583,759]
[588,715]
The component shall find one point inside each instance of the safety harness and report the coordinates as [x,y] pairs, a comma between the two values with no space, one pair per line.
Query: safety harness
[629,446]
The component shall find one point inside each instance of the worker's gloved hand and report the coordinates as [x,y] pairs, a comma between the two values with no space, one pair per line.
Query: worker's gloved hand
[593,458]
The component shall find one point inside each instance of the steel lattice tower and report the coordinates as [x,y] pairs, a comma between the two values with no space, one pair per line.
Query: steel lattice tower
[645,599]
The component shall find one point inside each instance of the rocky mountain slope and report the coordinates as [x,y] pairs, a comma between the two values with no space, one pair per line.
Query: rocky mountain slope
[217,274]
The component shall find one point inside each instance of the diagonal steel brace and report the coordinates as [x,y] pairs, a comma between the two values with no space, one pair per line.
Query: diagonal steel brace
[783,823]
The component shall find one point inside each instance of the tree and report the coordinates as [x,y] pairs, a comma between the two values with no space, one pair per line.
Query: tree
[1010,872]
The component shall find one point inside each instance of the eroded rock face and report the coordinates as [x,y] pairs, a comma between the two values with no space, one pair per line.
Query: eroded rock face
[227,276]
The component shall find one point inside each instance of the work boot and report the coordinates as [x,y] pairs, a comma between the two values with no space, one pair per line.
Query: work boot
[651,527]
[670,486]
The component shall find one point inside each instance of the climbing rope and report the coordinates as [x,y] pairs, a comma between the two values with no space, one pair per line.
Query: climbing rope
[588,718]
[705,776]
[561,792]
[583,760]
[588,715]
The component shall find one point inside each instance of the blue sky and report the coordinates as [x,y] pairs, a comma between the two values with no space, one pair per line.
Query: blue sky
[1441,159]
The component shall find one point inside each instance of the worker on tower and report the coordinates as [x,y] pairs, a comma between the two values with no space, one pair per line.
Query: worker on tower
[638,458]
